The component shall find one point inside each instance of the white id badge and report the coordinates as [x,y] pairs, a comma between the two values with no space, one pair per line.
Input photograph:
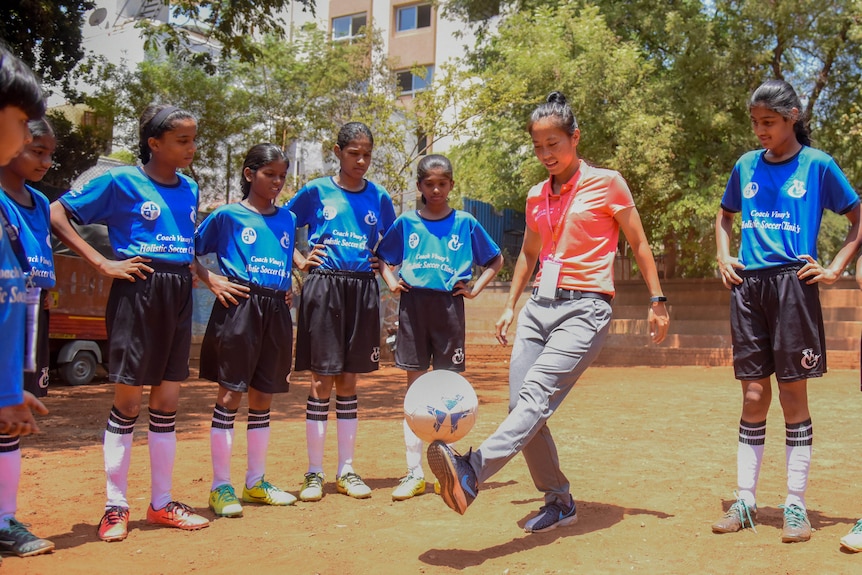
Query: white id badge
[550,276]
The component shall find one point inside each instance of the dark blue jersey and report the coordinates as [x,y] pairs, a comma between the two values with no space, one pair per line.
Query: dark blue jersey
[34,229]
[144,218]
[250,246]
[437,254]
[782,204]
[348,223]
[12,312]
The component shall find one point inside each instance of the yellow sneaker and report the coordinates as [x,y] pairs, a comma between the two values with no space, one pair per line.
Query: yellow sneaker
[409,487]
[224,503]
[351,484]
[312,487]
[267,494]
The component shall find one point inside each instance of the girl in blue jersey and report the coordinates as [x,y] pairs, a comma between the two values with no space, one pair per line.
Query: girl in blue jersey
[32,216]
[253,242]
[338,331]
[150,213]
[431,324]
[775,316]
[20,100]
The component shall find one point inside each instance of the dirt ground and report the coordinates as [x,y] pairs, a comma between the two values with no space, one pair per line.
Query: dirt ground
[650,454]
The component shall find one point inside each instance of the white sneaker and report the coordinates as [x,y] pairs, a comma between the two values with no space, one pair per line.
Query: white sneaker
[853,540]
[409,487]
[312,487]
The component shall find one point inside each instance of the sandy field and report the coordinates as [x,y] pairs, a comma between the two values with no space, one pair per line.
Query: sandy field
[650,453]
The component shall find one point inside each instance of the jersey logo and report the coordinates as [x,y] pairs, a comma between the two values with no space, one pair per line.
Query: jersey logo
[151,211]
[248,236]
[375,354]
[455,243]
[193,216]
[810,359]
[285,241]
[371,218]
[48,240]
[750,190]
[43,378]
[796,189]
[329,212]
[458,356]
[413,240]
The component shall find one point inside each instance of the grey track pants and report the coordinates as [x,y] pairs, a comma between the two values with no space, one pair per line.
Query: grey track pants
[555,342]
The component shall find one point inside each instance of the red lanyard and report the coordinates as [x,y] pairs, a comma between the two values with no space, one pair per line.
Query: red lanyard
[556,230]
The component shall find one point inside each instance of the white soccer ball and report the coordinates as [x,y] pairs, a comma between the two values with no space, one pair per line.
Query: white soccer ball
[441,405]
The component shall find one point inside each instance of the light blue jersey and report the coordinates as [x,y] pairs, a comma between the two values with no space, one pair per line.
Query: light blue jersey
[437,254]
[348,223]
[34,229]
[250,246]
[144,218]
[782,204]
[12,313]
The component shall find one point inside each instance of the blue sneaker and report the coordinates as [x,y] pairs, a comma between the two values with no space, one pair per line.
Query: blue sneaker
[458,483]
[552,516]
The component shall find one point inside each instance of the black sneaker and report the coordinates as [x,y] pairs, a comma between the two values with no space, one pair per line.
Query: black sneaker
[18,540]
[552,516]
[458,483]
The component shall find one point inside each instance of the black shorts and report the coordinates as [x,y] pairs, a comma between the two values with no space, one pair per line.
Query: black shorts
[249,344]
[37,382]
[430,326]
[338,328]
[150,327]
[777,326]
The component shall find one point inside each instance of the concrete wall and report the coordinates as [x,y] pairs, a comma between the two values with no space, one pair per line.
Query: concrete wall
[700,325]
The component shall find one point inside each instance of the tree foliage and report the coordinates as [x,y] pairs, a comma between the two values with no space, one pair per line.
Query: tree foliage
[46,35]
[659,90]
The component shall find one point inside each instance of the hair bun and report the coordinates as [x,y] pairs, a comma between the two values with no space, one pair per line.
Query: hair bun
[556,98]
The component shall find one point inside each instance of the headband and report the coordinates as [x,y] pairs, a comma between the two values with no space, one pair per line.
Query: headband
[160,118]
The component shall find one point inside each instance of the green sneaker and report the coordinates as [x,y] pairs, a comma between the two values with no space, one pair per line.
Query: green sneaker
[224,503]
[266,493]
[409,487]
[312,487]
[351,484]
[797,528]
[18,540]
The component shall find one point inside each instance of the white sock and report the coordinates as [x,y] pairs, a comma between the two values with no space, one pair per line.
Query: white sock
[117,450]
[162,440]
[346,414]
[414,452]
[749,457]
[257,435]
[800,438]
[221,444]
[316,415]
[10,477]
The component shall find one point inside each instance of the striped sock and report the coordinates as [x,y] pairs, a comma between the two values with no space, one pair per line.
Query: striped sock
[221,444]
[347,420]
[316,415]
[10,477]
[800,438]
[117,450]
[749,457]
[162,440]
[257,435]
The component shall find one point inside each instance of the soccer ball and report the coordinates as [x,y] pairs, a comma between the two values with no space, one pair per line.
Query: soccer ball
[441,405]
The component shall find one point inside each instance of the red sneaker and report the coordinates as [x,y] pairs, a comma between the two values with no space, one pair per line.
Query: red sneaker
[114,525]
[176,514]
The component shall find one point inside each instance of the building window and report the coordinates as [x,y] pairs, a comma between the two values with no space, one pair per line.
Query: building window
[348,27]
[413,17]
[409,83]
[422,144]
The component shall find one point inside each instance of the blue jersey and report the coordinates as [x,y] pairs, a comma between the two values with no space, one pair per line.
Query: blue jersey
[34,229]
[782,204]
[12,313]
[348,223]
[144,218]
[250,246]
[437,254]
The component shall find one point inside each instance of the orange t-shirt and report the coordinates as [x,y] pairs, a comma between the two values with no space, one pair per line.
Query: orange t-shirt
[587,242]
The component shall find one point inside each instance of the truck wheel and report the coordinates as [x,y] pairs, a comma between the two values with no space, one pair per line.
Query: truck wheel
[81,370]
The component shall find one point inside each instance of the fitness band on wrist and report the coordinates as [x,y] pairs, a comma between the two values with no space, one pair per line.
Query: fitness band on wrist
[657,299]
